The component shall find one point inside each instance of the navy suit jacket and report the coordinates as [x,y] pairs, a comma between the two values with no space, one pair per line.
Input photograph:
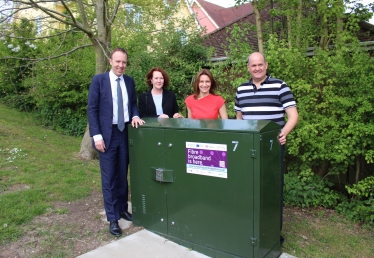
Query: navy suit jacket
[100,105]
[147,106]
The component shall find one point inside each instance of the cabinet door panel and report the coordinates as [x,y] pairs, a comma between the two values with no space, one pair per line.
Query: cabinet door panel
[206,207]
[148,196]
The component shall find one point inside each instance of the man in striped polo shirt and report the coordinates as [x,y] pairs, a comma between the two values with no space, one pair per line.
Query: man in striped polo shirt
[267,98]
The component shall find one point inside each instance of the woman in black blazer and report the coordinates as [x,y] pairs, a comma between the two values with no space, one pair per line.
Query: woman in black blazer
[158,102]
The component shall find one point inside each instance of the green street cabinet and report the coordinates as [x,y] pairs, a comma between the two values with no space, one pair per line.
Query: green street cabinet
[209,185]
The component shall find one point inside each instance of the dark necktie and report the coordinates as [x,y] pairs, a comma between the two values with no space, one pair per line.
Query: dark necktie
[121,120]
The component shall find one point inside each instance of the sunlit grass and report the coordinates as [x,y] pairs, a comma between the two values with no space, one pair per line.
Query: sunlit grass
[310,233]
[37,167]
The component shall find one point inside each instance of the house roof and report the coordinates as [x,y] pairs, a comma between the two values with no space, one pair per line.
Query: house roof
[223,16]
[218,38]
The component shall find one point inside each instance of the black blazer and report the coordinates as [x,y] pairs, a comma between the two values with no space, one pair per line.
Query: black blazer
[147,107]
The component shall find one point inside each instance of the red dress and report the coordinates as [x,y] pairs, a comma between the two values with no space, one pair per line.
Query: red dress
[205,108]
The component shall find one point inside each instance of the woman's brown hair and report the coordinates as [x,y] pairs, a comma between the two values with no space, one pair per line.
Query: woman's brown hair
[149,77]
[213,84]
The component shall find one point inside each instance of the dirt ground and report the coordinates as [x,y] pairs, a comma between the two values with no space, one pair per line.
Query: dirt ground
[75,228]
[66,230]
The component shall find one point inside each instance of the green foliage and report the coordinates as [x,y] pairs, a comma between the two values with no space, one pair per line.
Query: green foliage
[64,120]
[363,189]
[358,211]
[56,89]
[308,190]
[16,69]
[360,208]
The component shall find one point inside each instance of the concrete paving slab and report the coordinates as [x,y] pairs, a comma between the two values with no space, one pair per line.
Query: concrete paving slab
[143,244]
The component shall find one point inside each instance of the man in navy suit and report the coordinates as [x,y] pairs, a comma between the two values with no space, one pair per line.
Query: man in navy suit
[109,132]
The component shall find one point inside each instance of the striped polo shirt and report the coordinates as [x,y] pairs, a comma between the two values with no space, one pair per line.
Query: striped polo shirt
[268,102]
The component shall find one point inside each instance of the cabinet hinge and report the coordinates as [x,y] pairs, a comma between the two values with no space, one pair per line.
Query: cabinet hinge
[253,155]
[254,241]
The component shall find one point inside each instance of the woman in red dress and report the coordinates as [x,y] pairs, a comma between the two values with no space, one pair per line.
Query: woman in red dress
[204,103]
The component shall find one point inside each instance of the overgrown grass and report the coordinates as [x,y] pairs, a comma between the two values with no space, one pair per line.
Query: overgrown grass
[37,167]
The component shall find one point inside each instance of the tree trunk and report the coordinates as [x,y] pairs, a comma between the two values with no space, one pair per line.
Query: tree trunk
[299,22]
[324,36]
[101,44]
[289,28]
[258,26]
[323,169]
[357,169]
[271,17]
[87,152]
[339,23]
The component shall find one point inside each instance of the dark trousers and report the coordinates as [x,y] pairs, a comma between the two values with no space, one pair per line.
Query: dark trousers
[114,165]
[283,150]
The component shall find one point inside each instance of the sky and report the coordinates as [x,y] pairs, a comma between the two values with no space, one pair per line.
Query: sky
[230,3]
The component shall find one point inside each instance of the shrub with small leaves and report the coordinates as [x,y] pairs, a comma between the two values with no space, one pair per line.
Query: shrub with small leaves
[308,190]
[360,208]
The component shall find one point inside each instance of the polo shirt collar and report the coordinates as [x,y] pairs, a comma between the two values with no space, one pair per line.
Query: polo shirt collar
[266,80]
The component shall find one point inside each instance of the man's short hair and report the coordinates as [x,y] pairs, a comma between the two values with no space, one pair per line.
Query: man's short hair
[118,49]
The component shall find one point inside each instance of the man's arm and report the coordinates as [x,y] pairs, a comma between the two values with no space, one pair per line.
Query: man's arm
[239,115]
[93,114]
[293,118]
[93,107]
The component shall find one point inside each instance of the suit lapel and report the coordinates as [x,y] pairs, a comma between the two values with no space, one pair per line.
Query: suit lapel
[129,93]
[149,98]
[108,88]
[128,87]
[165,96]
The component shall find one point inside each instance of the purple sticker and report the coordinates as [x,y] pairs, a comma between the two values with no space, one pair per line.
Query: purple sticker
[209,158]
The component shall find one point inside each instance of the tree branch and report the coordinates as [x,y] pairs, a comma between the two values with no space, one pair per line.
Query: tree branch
[83,13]
[114,13]
[52,13]
[46,58]
[68,10]
[44,37]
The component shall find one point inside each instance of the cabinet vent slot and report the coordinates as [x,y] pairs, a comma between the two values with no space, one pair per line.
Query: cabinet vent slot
[143,204]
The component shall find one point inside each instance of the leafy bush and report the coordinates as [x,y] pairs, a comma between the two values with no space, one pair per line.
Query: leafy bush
[358,211]
[308,190]
[65,121]
[360,208]
[363,190]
